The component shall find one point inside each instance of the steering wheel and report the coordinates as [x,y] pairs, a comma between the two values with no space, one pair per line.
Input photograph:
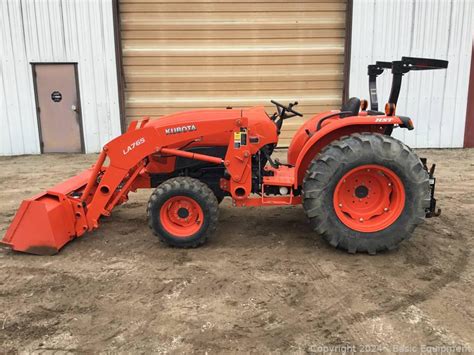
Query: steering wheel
[283,110]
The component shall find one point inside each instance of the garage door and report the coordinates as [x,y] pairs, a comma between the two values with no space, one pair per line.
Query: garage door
[186,54]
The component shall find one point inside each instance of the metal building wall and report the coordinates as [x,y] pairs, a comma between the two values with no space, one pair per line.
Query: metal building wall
[436,100]
[79,31]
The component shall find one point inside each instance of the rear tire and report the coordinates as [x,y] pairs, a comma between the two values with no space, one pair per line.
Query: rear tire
[366,175]
[183,212]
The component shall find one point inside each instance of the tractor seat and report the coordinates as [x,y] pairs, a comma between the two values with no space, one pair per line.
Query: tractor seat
[352,105]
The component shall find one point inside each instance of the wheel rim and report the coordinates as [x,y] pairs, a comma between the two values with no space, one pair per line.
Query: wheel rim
[181,216]
[369,198]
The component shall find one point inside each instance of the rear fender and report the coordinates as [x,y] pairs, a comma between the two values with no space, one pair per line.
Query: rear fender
[333,131]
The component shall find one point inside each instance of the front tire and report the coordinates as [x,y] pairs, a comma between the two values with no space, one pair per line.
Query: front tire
[183,212]
[366,192]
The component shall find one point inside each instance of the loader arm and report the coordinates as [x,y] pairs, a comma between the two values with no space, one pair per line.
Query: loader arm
[46,222]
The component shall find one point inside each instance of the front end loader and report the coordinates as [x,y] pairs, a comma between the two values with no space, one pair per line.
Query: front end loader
[361,189]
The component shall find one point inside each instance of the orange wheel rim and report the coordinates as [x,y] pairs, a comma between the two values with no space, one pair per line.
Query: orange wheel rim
[369,198]
[181,216]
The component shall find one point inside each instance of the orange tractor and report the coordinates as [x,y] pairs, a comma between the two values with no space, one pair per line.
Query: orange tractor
[361,189]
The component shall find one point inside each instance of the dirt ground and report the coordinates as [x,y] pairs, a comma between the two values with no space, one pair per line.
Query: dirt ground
[264,282]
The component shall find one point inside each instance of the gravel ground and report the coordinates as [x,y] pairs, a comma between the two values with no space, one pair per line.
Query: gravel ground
[264,282]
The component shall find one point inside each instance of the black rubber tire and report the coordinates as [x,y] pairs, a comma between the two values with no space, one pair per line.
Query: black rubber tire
[339,157]
[198,191]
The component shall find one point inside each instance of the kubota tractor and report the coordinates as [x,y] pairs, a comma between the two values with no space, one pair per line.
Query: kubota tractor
[361,189]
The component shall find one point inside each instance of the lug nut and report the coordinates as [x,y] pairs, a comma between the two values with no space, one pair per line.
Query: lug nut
[389,184]
[340,205]
[361,219]
[385,209]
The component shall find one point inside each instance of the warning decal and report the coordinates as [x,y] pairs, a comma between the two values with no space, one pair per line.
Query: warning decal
[240,138]
[237,137]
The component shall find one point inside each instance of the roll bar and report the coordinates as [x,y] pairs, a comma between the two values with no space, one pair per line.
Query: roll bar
[374,70]
[399,68]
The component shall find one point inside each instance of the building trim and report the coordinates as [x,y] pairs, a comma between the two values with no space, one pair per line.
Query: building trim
[118,63]
[469,127]
[347,50]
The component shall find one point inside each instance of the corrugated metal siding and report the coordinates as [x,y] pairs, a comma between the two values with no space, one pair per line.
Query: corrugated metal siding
[57,31]
[436,100]
[186,54]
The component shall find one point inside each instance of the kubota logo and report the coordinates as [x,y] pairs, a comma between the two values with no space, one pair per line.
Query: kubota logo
[182,129]
[133,145]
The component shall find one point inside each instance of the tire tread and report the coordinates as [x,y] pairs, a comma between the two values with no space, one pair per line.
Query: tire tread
[342,152]
[194,186]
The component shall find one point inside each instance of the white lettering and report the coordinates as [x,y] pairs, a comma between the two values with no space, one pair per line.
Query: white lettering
[133,145]
[181,129]
[383,119]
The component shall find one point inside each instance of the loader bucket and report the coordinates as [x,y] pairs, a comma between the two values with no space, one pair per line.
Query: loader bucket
[46,222]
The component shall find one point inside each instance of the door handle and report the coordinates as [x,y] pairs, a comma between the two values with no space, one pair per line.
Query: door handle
[74,108]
